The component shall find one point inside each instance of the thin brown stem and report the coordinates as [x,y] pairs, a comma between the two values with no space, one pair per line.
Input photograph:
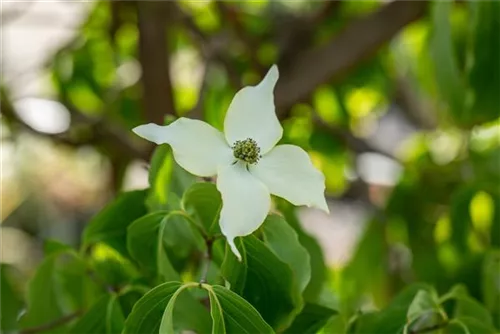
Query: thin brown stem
[53,324]
[207,259]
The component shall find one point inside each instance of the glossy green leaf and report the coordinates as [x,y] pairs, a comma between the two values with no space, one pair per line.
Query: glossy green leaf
[267,283]
[110,225]
[424,303]
[318,268]
[166,178]
[284,242]
[167,321]
[239,316]
[147,313]
[203,201]
[145,245]
[216,312]
[10,301]
[311,319]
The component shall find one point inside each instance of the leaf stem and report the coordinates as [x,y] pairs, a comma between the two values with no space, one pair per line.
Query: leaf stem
[53,324]
[207,259]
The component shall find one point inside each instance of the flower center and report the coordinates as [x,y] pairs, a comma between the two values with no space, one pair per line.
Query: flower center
[246,150]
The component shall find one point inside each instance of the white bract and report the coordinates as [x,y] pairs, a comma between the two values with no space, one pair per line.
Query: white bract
[248,165]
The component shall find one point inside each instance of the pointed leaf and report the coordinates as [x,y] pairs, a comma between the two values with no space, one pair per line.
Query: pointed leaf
[203,201]
[268,283]
[110,225]
[147,313]
[311,319]
[239,316]
[284,242]
[10,301]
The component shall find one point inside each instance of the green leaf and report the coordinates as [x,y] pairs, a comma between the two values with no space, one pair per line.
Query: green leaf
[234,271]
[59,288]
[167,321]
[484,58]
[115,319]
[216,312]
[467,325]
[166,177]
[318,268]
[145,245]
[460,217]
[424,303]
[369,253]
[495,226]
[111,267]
[239,316]
[10,301]
[490,287]
[110,225]
[448,77]
[147,313]
[392,319]
[466,306]
[311,319]
[203,202]
[268,283]
[284,242]
[94,320]
[170,316]
[424,311]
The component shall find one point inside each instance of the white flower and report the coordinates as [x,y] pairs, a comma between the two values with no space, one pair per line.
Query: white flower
[248,165]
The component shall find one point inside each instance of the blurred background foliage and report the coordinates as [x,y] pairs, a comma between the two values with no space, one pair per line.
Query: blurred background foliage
[397,103]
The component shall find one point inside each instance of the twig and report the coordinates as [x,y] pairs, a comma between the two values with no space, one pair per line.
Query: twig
[354,44]
[207,258]
[53,324]
[355,144]
[154,57]
[107,134]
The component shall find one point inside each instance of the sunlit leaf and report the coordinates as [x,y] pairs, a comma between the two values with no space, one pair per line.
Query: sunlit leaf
[110,225]
[10,301]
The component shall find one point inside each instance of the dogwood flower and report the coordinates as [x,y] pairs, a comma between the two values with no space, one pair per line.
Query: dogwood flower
[248,164]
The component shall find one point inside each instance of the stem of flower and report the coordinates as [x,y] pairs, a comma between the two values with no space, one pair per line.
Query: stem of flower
[207,258]
[53,324]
